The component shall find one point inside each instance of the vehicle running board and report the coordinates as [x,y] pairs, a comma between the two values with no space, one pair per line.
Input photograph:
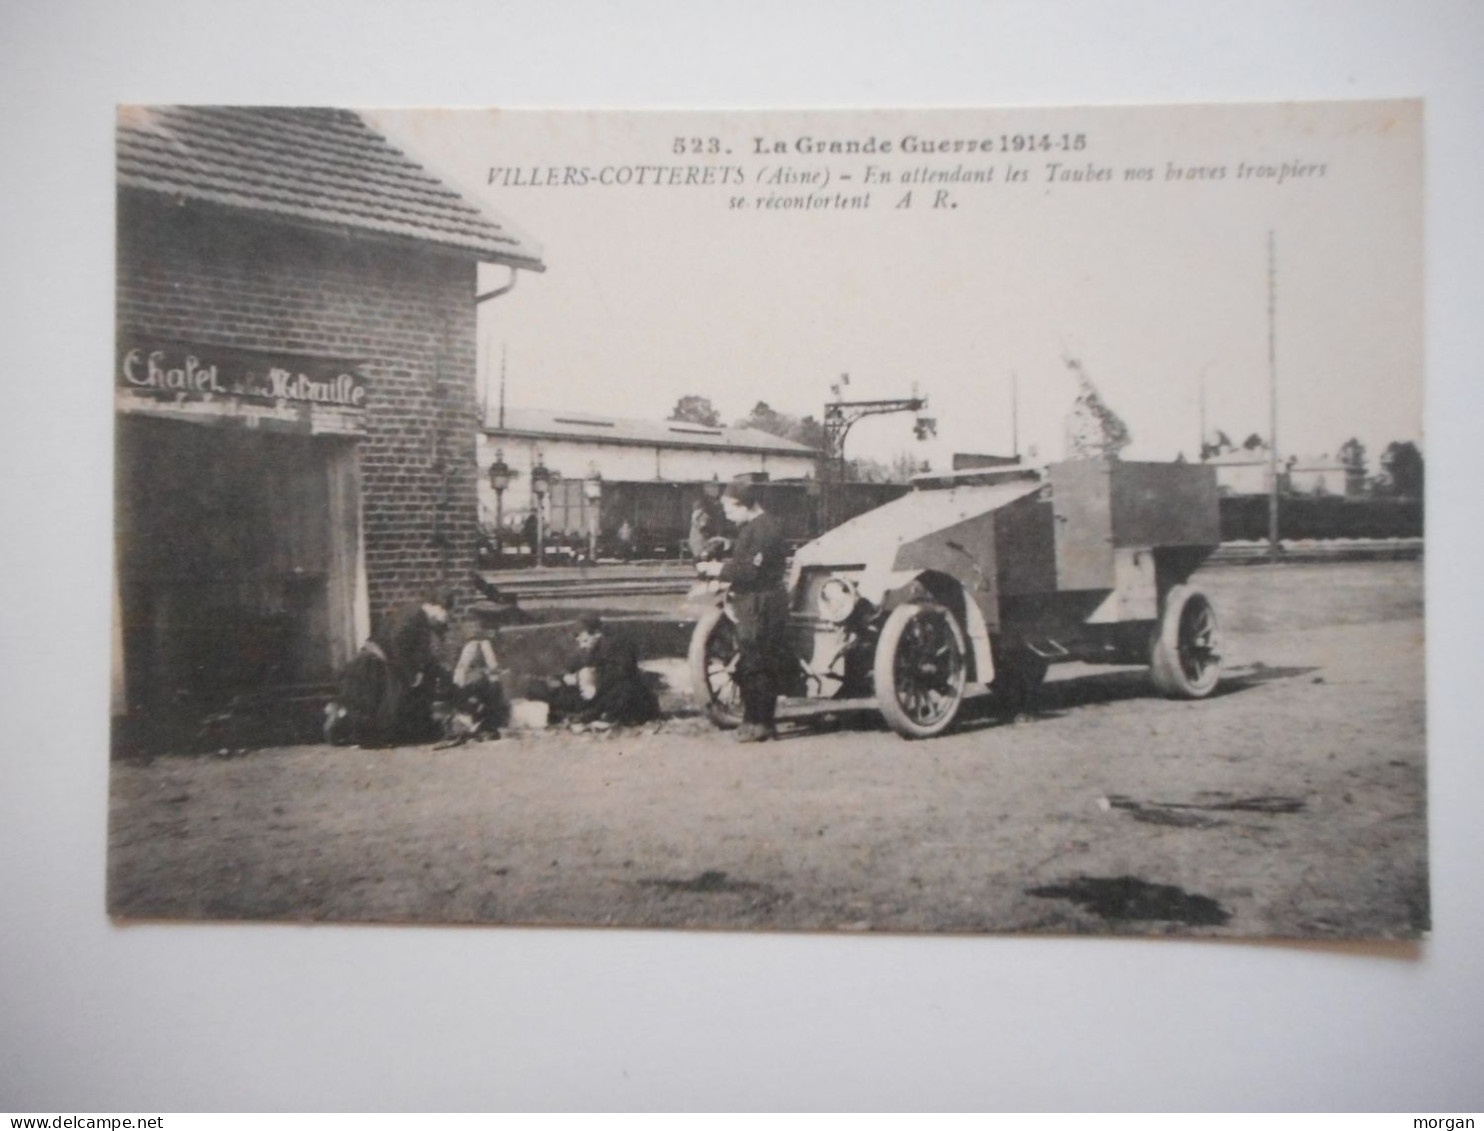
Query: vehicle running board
[1049,649]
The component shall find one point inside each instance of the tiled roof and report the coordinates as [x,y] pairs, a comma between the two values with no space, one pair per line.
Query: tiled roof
[556,424]
[325,166]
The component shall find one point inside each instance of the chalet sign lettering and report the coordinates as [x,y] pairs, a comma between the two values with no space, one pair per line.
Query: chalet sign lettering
[181,372]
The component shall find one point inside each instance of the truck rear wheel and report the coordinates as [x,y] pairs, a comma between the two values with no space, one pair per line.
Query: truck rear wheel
[1184,651]
[920,670]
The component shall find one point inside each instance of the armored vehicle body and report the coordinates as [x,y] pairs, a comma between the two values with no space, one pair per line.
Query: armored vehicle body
[982,579]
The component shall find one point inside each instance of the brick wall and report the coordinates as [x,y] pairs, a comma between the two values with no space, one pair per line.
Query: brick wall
[405,311]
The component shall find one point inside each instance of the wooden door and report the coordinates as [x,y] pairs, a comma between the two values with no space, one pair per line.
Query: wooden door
[236,559]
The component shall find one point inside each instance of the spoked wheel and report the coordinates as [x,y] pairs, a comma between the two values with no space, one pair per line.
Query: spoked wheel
[1185,652]
[713,668]
[920,670]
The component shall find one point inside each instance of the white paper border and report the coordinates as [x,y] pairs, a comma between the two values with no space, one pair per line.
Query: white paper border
[99,1017]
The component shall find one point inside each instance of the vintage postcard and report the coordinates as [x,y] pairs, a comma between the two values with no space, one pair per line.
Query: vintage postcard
[973,520]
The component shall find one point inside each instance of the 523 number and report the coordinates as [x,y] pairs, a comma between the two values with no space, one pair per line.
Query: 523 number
[697,145]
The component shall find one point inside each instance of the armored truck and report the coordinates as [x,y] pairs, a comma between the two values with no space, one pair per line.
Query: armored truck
[981,580]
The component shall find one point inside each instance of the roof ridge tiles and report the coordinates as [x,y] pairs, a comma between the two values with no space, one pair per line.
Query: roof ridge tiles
[317,163]
[401,168]
[419,230]
[427,229]
[379,220]
[329,185]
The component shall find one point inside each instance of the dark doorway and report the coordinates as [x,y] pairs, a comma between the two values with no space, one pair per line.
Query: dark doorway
[231,572]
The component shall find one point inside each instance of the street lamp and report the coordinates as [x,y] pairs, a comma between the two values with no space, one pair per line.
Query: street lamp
[592,491]
[540,485]
[500,476]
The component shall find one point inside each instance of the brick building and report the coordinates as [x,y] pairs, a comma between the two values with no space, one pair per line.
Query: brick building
[295,393]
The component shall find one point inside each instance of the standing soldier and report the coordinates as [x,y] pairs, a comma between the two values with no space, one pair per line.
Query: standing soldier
[760,602]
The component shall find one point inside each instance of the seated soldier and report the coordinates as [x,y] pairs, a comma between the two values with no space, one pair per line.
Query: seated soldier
[477,698]
[604,683]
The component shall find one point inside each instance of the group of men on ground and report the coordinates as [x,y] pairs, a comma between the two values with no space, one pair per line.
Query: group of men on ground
[396,690]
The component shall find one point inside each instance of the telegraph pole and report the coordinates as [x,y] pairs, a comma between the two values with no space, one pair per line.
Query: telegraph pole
[1274,546]
[1014,415]
[1202,448]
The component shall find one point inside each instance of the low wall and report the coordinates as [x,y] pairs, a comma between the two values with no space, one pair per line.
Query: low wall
[528,652]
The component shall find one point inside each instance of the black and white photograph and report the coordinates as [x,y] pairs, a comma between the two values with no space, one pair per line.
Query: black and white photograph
[801,557]
[895,521]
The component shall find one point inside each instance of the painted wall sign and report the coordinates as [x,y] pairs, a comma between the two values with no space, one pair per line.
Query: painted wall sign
[180,371]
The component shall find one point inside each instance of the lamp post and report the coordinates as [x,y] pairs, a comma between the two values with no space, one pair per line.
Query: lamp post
[540,485]
[592,491]
[499,480]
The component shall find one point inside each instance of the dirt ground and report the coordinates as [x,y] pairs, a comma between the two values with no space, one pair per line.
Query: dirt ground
[1290,804]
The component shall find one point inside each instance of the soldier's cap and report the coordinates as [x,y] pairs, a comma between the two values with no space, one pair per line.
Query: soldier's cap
[590,623]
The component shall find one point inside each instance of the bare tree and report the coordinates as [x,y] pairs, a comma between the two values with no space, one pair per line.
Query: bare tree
[1094,431]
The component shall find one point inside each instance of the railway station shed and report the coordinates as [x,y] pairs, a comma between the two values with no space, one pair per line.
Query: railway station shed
[603,472]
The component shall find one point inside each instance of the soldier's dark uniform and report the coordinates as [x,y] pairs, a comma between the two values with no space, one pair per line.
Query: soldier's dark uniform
[621,694]
[388,687]
[760,602]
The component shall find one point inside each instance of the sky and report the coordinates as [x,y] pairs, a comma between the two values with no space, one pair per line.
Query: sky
[1157,281]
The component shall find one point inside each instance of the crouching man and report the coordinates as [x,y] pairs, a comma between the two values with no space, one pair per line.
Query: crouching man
[604,683]
[389,687]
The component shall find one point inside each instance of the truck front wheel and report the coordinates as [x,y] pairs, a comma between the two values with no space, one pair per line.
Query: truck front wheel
[919,670]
